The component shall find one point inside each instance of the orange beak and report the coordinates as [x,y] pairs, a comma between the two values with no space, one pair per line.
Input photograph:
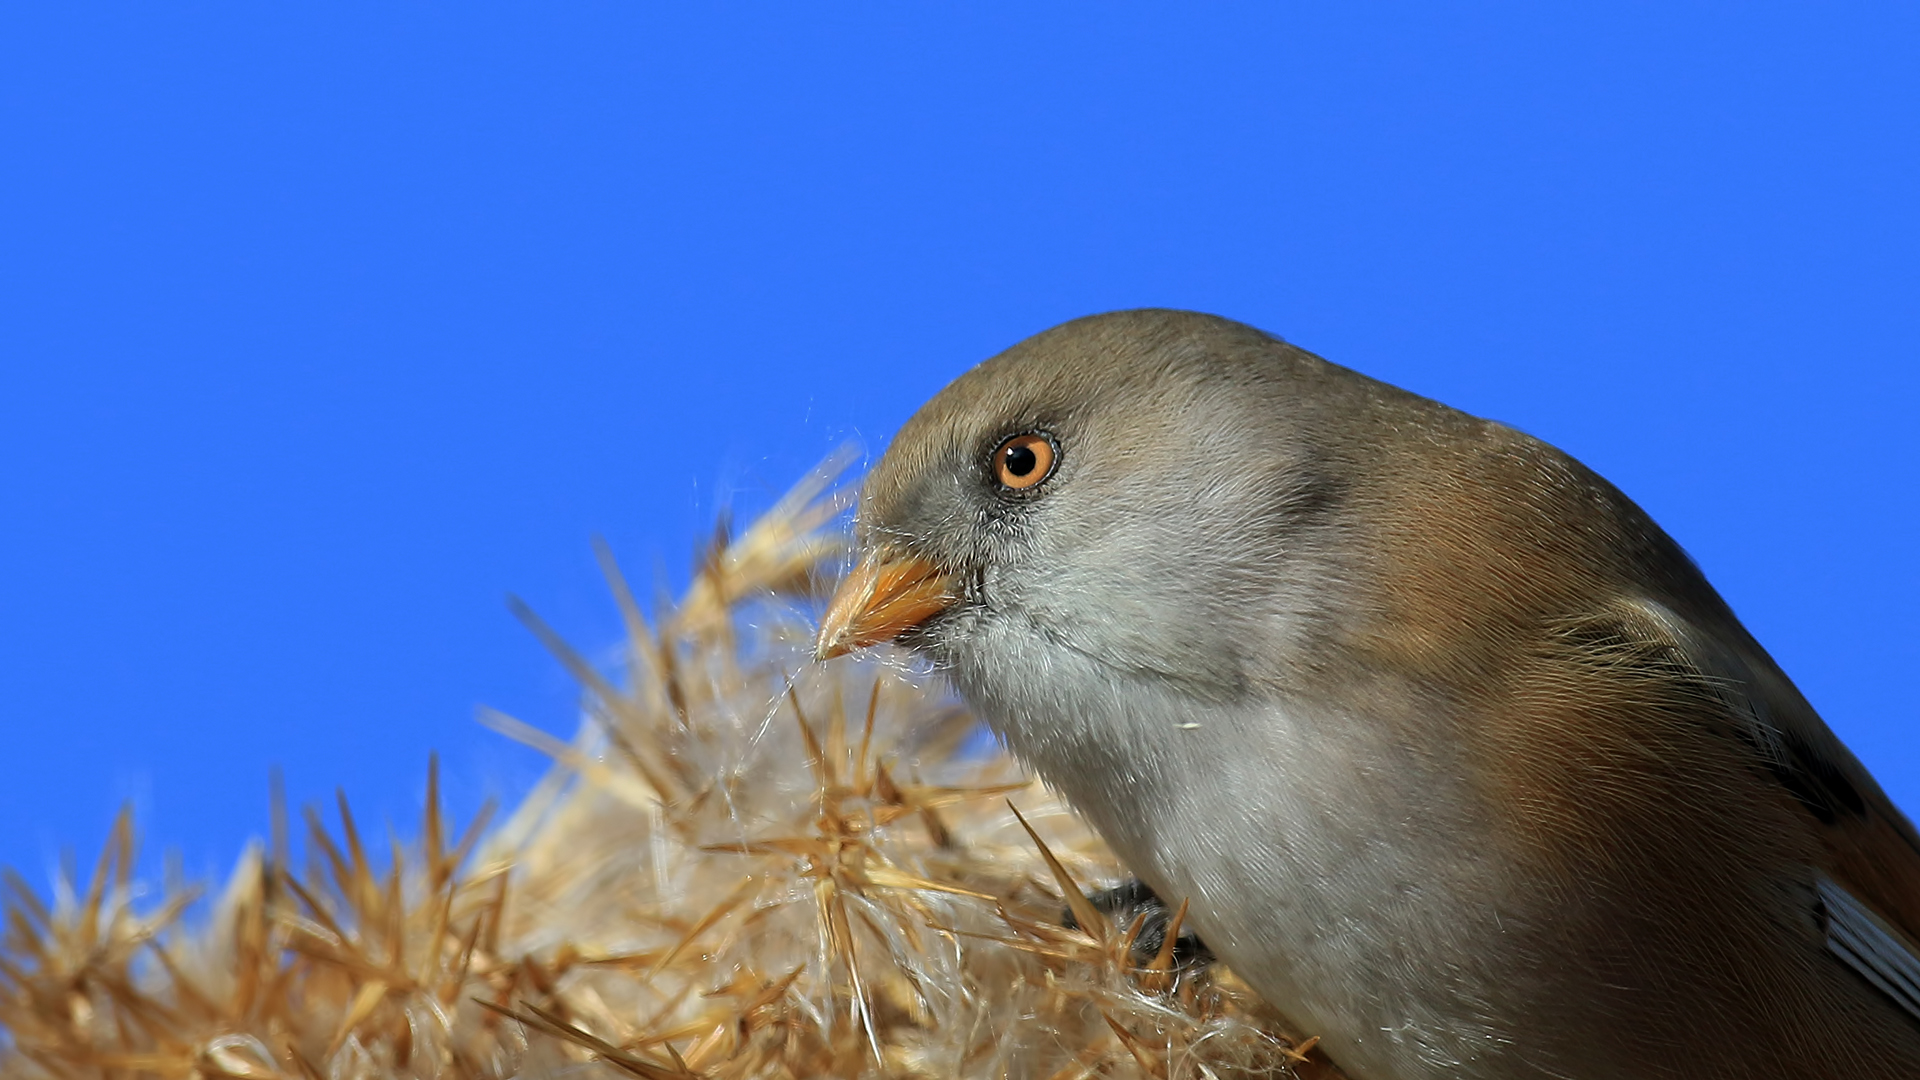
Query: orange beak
[885,596]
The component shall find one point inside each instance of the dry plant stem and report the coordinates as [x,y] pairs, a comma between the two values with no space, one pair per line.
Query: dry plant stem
[744,864]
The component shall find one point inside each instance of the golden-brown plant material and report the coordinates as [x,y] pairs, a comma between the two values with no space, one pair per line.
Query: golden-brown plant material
[745,864]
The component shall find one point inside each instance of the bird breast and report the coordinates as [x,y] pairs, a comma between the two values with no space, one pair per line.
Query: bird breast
[1323,857]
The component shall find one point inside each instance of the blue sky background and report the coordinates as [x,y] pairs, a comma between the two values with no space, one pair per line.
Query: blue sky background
[324,327]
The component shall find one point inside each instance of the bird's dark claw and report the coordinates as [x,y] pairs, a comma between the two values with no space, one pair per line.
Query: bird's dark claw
[1127,903]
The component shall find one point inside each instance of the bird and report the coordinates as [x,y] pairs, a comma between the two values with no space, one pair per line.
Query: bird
[1455,756]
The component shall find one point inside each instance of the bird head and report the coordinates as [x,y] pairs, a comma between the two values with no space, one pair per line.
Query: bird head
[1119,494]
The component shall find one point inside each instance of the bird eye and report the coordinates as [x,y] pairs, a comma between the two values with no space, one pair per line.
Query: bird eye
[1024,461]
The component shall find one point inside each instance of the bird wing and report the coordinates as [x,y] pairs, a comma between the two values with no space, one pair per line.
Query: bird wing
[1870,945]
[1868,887]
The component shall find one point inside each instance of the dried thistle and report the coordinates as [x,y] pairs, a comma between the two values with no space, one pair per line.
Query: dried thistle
[743,865]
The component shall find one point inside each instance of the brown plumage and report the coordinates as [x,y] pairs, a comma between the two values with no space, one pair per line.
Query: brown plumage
[1458,758]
